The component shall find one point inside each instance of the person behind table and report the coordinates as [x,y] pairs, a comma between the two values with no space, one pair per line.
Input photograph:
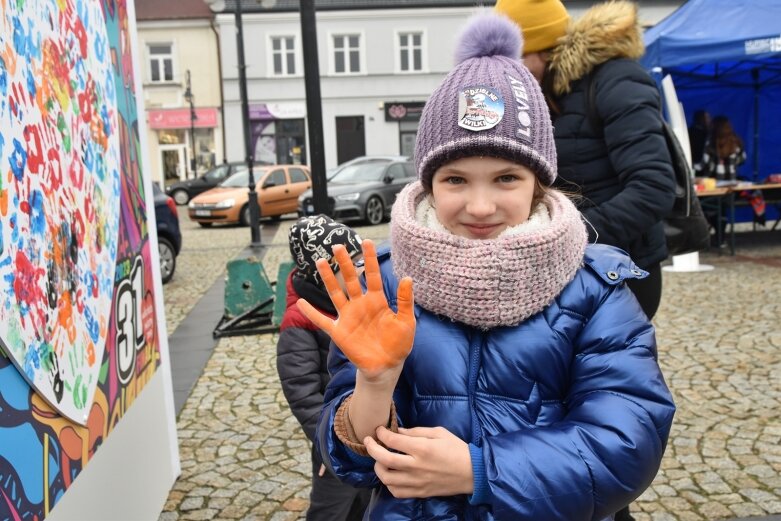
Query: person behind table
[609,139]
[520,381]
[724,152]
[302,350]
[723,155]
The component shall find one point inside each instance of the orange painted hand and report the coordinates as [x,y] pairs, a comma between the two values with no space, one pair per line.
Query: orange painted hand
[368,332]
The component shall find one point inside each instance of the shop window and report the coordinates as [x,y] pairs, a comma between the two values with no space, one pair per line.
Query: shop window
[170,137]
[283,55]
[204,149]
[161,62]
[290,126]
[410,45]
[347,54]
[408,131]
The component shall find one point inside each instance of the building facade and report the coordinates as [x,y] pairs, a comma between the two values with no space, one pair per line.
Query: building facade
[182,88]
[378,62]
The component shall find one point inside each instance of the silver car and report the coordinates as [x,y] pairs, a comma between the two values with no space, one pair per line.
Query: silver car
[362,191]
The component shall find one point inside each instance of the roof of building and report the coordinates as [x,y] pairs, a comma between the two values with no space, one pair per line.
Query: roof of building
[255,6]
[199,9]
[147,10]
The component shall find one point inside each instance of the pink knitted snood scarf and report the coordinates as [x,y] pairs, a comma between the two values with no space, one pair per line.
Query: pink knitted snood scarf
[487,283]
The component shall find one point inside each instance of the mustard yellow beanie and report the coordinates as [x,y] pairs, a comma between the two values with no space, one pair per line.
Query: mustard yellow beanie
[543,22]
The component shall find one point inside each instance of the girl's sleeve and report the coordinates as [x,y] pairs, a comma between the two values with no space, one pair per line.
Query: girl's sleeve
[628,104]
[608,447]
[347,465]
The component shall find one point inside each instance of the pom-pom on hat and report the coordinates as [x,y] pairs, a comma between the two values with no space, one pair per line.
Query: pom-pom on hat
[489,105]
[313,238]
[543,22]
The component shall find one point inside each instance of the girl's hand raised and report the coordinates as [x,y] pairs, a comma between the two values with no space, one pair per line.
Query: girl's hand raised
[368,332]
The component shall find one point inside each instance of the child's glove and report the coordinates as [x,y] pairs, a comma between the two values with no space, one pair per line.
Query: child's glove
[368,332]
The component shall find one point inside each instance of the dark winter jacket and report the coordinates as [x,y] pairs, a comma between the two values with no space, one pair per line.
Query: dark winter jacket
[302,352]
[725,169]
[568,411]
[617,161]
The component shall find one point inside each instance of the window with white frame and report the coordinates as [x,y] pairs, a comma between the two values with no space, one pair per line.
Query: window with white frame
[347,53]
[161,62]
[411,51]
[283,55]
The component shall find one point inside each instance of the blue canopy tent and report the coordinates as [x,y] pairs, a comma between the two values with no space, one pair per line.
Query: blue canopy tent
[725,57]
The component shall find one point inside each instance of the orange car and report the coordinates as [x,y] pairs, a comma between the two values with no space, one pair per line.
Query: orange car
[277,186]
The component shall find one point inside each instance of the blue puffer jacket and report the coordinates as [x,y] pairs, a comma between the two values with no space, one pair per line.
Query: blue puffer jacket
[568,411]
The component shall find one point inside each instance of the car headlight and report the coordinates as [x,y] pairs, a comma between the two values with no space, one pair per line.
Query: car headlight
[191,204]
[227,203]
[348,197]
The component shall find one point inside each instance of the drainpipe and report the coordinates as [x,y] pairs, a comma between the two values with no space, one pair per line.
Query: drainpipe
[222,99]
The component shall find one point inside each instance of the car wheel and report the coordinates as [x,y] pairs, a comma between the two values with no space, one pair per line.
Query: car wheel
[205,225]
[244,215]
[181,197]
[375,210]
[167,258]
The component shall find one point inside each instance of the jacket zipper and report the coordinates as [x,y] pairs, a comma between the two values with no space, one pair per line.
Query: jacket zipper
[474,364]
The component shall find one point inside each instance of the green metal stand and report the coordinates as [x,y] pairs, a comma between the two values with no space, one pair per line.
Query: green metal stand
[253,304]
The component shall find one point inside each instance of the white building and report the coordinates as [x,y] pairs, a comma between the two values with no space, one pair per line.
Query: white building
[177,40]
[378,60]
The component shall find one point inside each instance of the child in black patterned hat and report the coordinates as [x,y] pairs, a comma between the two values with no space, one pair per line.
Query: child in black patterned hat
[302,351]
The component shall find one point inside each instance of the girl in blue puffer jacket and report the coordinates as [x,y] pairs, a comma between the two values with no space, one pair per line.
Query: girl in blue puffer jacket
[521,383]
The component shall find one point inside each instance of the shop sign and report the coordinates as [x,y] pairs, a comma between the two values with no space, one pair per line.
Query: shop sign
[180,118]
[267,111]
[403,110]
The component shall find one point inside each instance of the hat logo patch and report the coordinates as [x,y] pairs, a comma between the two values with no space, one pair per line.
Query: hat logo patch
[479,108]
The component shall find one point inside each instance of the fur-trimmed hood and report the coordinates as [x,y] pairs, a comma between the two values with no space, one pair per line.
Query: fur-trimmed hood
[606,31]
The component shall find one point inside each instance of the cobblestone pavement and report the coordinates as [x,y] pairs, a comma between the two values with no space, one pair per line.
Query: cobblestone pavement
[244,456]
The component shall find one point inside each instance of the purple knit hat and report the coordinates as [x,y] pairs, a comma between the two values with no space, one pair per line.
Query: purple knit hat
[489,105]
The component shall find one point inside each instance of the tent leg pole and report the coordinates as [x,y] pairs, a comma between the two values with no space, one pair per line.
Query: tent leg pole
[755,77]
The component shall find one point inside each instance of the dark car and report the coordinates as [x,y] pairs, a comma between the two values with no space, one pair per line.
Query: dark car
[362,191]
[169,237]
[364,159]
[183,191]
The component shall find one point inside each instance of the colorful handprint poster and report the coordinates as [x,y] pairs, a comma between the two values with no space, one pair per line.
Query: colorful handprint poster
[78,317]
[59,150]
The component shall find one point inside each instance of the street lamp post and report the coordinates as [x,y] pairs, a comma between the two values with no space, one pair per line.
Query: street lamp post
[254,210]
[314,107]
[189,98]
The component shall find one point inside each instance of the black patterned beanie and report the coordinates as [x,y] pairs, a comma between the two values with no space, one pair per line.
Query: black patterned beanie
[313,237]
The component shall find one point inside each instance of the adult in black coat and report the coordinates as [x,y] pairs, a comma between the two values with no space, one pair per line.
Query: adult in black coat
[613,154]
